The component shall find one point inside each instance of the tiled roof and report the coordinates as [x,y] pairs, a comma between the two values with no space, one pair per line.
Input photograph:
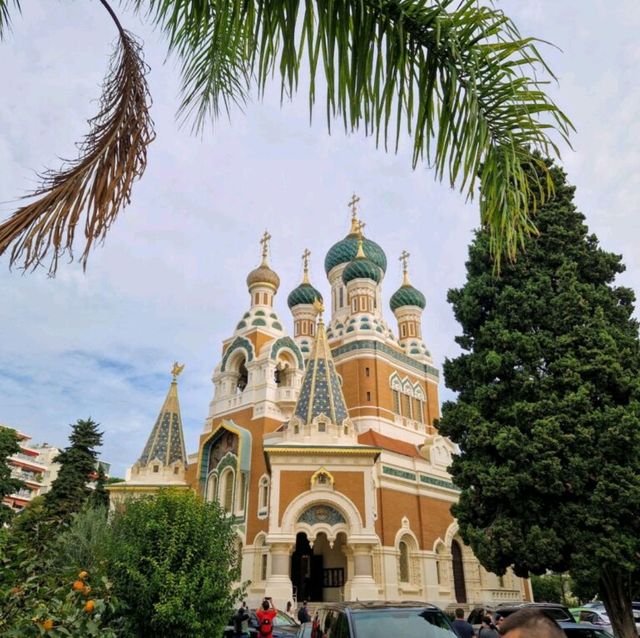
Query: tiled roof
[370,437]
[166,441]
[321,392]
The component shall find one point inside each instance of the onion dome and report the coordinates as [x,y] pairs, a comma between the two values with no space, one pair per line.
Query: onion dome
[346,249]
[361,267]
[406,295]
[305,293]
[263,273]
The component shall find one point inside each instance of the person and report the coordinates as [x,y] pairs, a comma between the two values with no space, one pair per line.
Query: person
[315,627]
[265,618]
[488,629]
[303,613]
[461,626]
[289,606]
[240,620]
[530,623]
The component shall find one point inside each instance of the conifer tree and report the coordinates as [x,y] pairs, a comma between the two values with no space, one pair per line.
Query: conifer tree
[69,492]
[8,484]
[548,409]
[100,496]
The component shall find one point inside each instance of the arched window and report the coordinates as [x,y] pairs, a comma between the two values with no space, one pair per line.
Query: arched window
[458,573]
[418,412]
[396,401]
[263,494]
[406,406]
[226,482]
[403,562]
[242,488]
[212,487]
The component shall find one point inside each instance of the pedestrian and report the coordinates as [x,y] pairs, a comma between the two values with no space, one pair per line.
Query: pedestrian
[265,618]
[488,629]
[303,613]
[289,606]
[530,623]
[461,626]
[240,620]
[315,627]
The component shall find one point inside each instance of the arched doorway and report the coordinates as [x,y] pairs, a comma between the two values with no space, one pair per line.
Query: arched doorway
[458,573]
[319,573]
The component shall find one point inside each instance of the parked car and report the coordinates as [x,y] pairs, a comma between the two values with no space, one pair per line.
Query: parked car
[284,626]
[593,615]
[584,630]
[553,610]
[376,619]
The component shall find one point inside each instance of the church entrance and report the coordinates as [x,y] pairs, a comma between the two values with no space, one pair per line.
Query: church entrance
[318,573]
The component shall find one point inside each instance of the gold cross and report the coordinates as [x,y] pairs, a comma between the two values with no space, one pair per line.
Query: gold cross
[265,244]
[305,258]
[404,258]
[354,205]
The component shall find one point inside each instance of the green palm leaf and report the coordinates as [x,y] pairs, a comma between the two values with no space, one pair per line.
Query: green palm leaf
[5,15]
[457,76]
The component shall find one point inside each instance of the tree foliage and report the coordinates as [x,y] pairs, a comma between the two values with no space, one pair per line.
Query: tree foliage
[548,409]
[8,446]
[69,492]
[173,562]
[456,75]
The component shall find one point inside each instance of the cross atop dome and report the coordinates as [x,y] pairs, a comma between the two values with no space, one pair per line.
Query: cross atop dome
[266,237]
[353,205]
[404,258]
[305,265]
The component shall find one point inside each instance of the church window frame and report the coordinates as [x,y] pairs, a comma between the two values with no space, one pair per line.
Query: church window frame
[396,402]
[363,304]
[241,493]
[212,487]
[261,558]
[226,494]
[403,330]
[256,299]
[404,575]
[264,489]
[341,295]
[354,305]
[412,330]
[408,560]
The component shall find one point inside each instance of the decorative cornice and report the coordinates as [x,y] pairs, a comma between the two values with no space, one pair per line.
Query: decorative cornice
[421,478]
[337,450]
[367,344]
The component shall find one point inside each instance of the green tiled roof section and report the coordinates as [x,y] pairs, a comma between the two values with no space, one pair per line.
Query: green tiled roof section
[346,249]
[366,344]
[407,296]
[238,342]
[303,294]
[287,342]
[361,269]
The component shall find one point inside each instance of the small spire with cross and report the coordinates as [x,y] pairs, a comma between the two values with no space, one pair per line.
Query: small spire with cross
[266,237]
[353,205]
[305,265]
[404,258]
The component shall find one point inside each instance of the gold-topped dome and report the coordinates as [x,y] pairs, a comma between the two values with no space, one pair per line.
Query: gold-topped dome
[263,273]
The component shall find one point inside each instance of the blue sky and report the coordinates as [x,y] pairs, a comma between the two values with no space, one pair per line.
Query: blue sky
[169,282]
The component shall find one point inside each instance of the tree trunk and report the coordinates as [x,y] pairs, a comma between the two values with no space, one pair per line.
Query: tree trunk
[616,596]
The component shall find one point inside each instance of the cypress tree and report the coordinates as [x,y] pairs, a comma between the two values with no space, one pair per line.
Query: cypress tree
[547,414]
[69,492]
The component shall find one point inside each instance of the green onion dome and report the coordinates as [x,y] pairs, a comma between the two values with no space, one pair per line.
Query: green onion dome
[407,295]
[305,293]
[362,268]
[346,249]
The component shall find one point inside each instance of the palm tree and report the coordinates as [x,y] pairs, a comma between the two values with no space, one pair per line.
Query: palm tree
[456,75]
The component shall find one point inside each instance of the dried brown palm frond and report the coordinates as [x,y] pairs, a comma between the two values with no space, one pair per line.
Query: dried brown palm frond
[98,184]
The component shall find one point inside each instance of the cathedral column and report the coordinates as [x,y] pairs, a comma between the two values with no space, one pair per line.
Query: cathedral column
[279,585]
[361,586]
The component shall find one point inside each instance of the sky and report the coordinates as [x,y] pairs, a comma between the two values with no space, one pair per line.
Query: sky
[169,282]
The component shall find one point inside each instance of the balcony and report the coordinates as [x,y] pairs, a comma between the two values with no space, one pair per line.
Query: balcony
[24,459]
[286,395]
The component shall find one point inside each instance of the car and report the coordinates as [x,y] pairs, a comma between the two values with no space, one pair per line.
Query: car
[378,619]
[553,610]
[304,630]
[593,615]
[284,626]
[584,630]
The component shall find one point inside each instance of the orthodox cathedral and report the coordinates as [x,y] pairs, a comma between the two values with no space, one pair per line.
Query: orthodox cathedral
[321,446]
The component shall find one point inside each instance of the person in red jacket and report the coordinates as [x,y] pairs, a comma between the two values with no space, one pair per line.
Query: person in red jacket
[265,618]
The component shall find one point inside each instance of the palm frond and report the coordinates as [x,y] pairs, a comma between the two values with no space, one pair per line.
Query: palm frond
[456,75]
[97,184]
[5,15]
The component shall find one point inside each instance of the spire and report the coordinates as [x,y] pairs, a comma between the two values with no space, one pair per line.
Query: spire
[166,441]
[360,254]
[321,392]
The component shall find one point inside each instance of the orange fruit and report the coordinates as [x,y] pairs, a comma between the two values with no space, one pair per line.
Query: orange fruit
[83,575]
[86,590]
[47,625]
[78,585]
[88,606]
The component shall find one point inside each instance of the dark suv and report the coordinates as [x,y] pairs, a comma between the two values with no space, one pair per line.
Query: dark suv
[378,619]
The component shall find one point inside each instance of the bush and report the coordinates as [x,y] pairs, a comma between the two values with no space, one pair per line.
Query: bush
[173,563]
